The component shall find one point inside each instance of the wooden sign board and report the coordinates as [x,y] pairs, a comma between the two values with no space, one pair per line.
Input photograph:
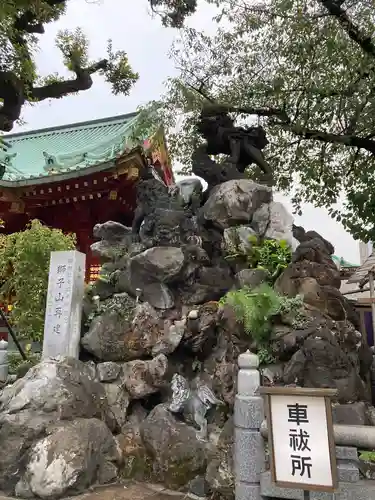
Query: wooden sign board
[300,437]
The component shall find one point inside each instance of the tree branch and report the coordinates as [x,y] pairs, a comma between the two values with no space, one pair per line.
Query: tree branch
[13,94]
[14,90]
[28,22]
[215,107]
[258,111]
[83,81]
[318,135]
[353,31]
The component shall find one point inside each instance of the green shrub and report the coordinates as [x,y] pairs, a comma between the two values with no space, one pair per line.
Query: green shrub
[24,269]
[256,308]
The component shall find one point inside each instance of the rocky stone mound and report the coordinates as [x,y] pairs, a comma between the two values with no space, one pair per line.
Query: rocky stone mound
[55,430]
[326,350]
[156,398]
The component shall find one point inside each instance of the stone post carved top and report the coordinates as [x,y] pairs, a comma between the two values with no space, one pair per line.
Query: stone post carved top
[248,374]
[248,360]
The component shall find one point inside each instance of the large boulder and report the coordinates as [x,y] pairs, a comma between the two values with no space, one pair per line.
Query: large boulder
[200,332]
[73,456]
[108,371]
[313,274]
[210,283]
[149,334]
[314,250]
[327,299]
[118,401]
[142,378]
[150,272]
[235,202]
[280,225]
[273,221]
[321,362]
[136,463]
[133,332]
[303,236]
[54,390]
[219,369]
[325,275]
[323,353]
[157,294]
[114,241]
[177,456]
[250,278]
[351,414]
[106,338]
[162,264]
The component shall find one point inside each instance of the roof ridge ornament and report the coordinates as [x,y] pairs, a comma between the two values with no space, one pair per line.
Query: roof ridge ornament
[6,161]
[50,161]
[55,162]
[7,158]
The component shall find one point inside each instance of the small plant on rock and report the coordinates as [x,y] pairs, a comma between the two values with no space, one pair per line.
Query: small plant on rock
[256,308]
[273,256]
[121,304]
[265,356]
[367,456]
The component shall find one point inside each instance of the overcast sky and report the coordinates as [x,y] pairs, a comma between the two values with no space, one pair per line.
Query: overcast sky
[147,42]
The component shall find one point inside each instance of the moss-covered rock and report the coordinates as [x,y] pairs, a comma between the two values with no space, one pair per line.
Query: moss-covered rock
[136,463]
[110,324]
[177,456]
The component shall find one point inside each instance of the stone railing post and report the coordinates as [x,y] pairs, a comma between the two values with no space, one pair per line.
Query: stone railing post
[4,367]
[249,458]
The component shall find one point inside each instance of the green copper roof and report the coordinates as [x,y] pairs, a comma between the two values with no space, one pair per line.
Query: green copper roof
[38,153]
[341,262]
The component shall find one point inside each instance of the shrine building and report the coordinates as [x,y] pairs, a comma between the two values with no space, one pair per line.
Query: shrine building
[74,176]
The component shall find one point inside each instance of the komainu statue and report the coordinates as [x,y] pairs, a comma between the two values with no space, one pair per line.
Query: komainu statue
[192,404]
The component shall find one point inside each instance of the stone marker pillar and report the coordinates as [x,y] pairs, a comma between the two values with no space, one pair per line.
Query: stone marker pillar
[249,458]
[62,327]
